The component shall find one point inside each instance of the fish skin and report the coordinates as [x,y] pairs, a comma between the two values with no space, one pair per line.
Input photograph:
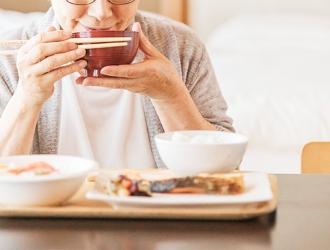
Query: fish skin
[211,185]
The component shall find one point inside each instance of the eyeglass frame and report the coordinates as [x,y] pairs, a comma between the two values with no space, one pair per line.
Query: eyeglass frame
[92,1]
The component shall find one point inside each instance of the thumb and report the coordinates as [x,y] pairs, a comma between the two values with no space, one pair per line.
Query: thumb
[144,44]
[50,28]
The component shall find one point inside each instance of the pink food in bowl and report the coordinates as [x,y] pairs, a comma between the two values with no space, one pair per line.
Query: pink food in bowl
[101,57]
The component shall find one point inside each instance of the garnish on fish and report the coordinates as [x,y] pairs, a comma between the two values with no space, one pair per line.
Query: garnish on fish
[122,185]
[128,185]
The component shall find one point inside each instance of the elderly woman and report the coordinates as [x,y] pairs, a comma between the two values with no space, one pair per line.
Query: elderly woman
[47,107]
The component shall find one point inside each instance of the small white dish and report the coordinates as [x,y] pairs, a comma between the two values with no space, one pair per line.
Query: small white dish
[257,187]
[44,190]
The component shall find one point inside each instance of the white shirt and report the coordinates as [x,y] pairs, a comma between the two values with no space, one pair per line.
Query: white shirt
[107,125]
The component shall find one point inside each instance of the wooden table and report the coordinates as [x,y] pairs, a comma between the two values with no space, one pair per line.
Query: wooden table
[302,221]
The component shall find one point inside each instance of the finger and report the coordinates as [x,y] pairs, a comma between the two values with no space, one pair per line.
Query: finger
[24,50]
[80,80]
[52,62]
[139,86]
[46,37]
[63,71]
[113,83]
[144,44]
[44,50]
[127,71]
[82,73]
[50,28]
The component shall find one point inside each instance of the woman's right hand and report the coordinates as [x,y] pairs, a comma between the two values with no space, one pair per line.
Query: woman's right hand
[42,61]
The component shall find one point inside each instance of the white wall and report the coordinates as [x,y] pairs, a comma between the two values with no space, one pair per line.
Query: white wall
[205,15]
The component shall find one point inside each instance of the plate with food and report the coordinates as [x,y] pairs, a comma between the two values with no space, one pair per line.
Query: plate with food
[42,180]
[125,189]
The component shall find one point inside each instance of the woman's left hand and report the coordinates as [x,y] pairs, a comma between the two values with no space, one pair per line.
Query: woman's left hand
[155,77]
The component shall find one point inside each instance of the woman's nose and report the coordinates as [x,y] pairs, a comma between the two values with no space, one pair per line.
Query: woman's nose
[100,9]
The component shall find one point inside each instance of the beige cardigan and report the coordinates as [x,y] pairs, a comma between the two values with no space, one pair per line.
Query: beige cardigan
[174,40]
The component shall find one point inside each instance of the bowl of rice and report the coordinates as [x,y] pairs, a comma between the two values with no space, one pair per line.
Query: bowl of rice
[42,180]
[189,153]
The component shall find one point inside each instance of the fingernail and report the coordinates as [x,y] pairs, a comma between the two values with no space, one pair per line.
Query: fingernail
[82,64]
[80,52]
[105,70]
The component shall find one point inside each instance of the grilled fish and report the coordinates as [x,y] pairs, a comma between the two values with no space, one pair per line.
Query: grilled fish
[128,185]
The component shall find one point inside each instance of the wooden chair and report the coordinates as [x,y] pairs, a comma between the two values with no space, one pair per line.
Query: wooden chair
[315,158]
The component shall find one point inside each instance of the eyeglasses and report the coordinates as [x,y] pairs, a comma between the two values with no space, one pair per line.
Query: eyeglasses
[86,2]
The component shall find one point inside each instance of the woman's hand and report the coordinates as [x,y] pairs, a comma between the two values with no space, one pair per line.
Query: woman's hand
[155,77]
[42,61]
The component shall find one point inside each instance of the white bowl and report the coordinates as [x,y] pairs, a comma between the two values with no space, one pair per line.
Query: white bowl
[44,190]
[206,156]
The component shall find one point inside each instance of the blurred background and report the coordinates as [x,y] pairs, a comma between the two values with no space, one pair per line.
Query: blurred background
[203,16]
